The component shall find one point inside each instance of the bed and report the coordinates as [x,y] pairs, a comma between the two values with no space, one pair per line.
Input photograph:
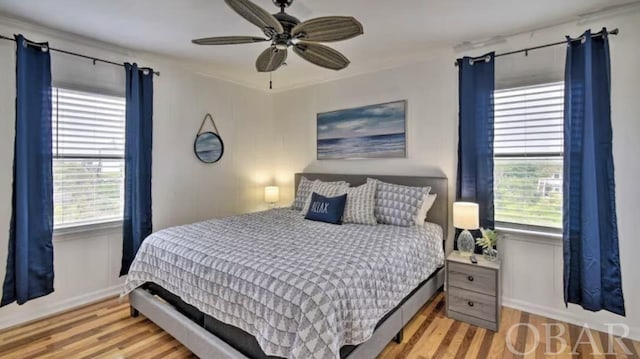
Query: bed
[272,284]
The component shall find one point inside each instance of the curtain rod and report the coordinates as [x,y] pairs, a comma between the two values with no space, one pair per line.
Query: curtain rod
[94,59]
[526,50]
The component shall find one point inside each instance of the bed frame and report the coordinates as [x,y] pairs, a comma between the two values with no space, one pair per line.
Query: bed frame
[189,326]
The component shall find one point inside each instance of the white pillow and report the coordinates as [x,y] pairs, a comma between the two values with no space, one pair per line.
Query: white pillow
[397,204]
[304,191]
[426,206]
[361,204]
[327,189]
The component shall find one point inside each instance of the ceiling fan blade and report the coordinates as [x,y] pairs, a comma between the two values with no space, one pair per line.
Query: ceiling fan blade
[271,59]
[328,29]
[228,40]
[321,55]
[256,15]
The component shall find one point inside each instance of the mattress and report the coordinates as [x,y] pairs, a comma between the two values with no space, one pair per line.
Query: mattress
[303,289]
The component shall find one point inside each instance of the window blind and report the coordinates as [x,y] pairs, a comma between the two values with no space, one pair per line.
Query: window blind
[88,151]
[528,149]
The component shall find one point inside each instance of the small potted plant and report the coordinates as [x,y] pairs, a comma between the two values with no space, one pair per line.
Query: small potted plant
[488,243]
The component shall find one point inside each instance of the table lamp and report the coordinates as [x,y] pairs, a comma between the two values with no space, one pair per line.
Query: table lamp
[466,217]
[272,195]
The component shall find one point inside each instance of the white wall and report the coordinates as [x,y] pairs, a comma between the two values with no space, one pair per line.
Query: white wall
[532,271]
[184,190]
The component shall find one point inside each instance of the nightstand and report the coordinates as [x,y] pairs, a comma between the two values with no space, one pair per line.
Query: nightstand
[474,291]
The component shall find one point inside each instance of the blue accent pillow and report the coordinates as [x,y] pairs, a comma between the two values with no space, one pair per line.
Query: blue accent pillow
[326,209]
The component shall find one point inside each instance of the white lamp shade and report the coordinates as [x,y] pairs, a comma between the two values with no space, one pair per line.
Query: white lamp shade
[466,215]
[271,194]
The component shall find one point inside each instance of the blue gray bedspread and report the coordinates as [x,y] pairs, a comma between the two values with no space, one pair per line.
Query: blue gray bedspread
[303,289]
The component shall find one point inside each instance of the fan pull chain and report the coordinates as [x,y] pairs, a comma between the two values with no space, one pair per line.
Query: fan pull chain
[270,80]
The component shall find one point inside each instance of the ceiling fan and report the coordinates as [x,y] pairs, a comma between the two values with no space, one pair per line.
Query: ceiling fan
[285,31]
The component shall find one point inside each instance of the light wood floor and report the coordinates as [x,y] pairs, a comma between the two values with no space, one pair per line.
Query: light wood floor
[105,330]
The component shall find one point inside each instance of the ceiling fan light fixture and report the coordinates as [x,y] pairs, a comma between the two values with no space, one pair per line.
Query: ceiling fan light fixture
[284,31]
[281,46]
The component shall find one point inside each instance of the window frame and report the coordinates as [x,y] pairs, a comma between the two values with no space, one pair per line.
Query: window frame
[79,230]
[519,229]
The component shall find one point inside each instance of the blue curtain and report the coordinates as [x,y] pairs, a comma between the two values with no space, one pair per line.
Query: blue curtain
[137,170]
[591,258]
[475,134]
[30,260]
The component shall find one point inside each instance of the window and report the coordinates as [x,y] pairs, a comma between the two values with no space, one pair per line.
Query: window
[528,149]
[88,157]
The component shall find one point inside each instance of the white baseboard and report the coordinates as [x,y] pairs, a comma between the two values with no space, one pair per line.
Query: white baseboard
[62,306]
[565,316]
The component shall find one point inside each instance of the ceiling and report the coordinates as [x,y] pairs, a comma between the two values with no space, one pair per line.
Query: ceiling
[395,31]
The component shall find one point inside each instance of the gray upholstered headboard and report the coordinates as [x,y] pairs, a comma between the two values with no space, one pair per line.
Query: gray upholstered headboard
[439,185]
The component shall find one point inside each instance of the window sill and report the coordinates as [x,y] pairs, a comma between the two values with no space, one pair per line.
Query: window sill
[86,230]
[540,237]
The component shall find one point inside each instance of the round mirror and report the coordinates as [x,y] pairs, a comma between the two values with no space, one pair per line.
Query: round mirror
[208,147]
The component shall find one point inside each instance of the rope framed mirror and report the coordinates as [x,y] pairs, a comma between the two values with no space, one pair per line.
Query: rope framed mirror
[208,145]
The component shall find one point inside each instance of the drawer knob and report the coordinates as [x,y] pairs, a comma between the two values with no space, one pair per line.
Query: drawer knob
[470,278]
[470,303]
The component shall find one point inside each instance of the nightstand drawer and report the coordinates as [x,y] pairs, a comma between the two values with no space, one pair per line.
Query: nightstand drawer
[471,303]
[473,278]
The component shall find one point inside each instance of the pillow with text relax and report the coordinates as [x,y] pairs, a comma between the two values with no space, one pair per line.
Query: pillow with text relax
[326,209]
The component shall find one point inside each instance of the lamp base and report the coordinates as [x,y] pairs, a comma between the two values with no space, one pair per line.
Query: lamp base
[466,243]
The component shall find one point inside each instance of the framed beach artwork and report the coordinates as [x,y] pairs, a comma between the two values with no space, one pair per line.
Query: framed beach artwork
[376,131]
